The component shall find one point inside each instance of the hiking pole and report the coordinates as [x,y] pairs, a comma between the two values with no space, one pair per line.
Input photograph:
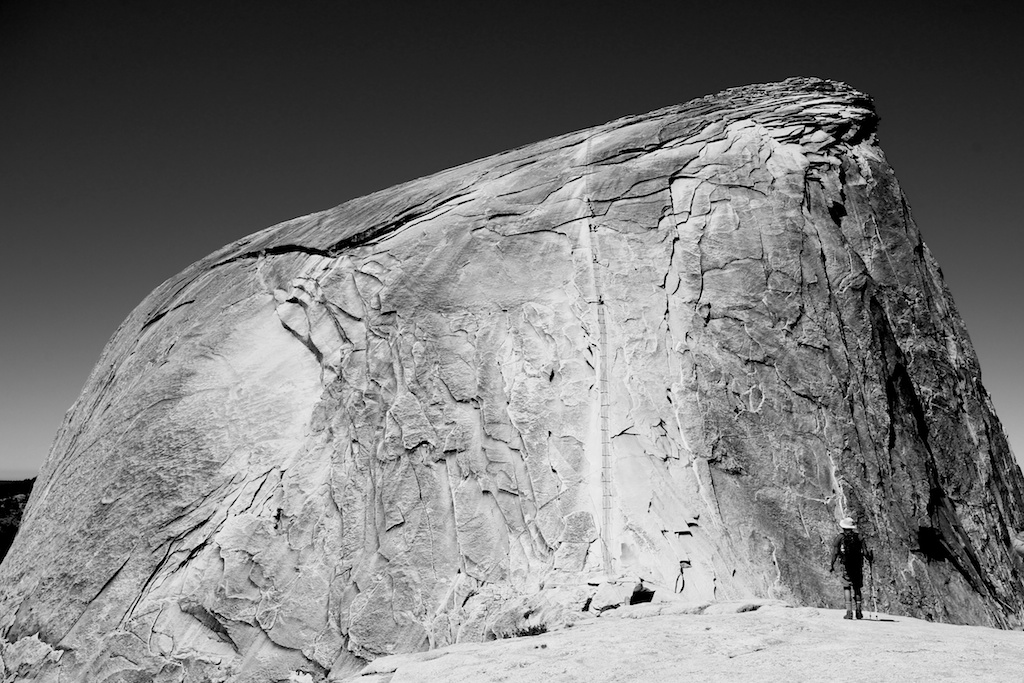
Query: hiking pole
[874,600]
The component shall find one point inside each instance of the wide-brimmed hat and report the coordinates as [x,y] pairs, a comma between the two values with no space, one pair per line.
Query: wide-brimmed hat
[847,523]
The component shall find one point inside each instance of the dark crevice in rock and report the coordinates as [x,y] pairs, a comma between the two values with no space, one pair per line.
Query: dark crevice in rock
[930,543]
[209,620]
[163,313]
[276,251]
[836,211]
[85,608]
[855,132]
[371,235]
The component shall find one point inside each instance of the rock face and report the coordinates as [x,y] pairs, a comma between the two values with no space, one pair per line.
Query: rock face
[433,413]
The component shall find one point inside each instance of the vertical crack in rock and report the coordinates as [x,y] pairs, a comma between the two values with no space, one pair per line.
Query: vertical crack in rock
[596,300]
[700,334]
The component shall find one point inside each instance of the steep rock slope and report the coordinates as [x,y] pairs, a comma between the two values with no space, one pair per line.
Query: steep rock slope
[421,417]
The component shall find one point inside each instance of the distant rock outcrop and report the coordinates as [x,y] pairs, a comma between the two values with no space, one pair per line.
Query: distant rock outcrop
[448,410]
[13,497]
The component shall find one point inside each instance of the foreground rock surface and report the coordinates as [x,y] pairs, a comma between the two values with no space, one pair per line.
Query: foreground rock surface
[460,408]
[773,643]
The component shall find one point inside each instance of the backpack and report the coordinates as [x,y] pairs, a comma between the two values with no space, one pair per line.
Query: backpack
[851,551]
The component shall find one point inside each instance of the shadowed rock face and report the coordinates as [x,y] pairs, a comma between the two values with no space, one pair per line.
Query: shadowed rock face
[703,333]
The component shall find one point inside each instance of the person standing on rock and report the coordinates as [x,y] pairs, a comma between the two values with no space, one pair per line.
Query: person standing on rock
[850,549]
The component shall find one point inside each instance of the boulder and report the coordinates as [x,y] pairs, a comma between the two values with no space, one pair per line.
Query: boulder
[703,333]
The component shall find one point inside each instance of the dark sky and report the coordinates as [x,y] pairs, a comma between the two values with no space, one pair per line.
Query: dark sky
[137,137]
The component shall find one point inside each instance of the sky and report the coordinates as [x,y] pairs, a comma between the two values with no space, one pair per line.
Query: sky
[137,137]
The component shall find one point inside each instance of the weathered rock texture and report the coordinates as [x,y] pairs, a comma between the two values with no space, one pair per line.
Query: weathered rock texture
[433,413]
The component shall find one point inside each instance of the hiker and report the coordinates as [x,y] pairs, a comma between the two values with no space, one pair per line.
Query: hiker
[850,549]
